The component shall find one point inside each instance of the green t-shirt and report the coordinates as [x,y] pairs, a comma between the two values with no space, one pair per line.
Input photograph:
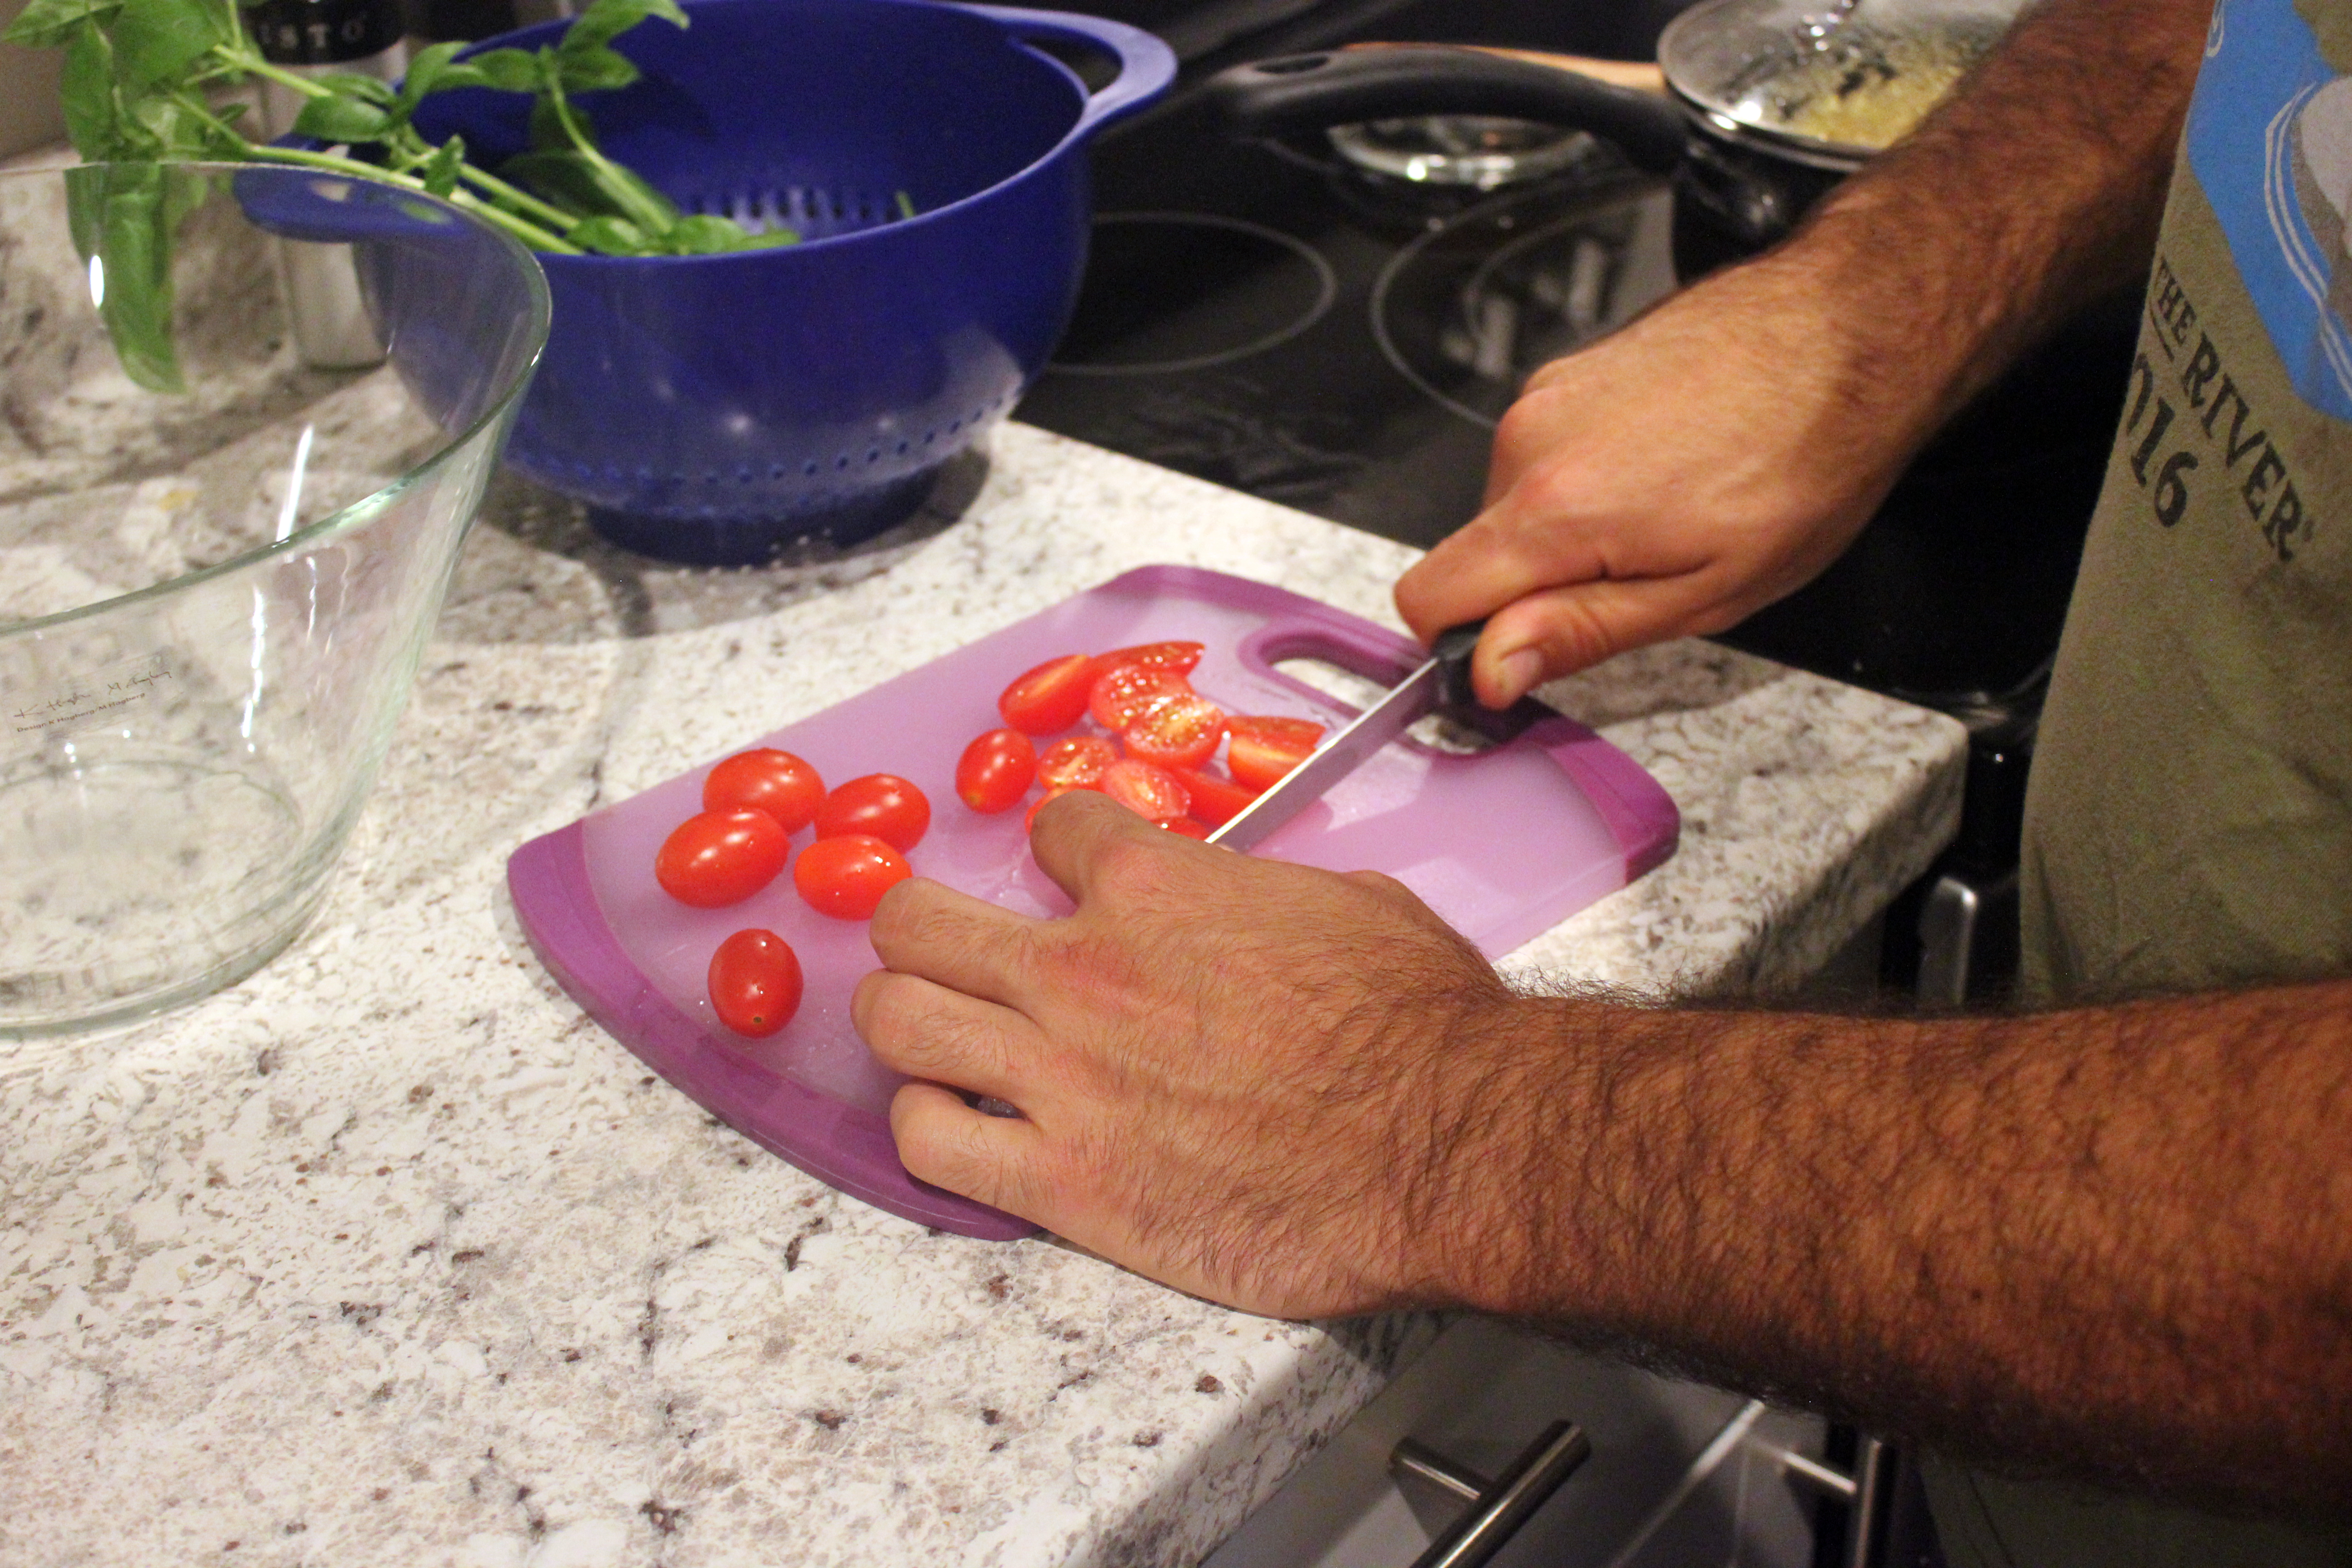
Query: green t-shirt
[2189,821]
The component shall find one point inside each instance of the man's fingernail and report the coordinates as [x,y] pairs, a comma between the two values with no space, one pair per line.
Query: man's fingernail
[1520,669]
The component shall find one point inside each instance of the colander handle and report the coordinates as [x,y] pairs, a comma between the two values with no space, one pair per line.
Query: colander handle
[1146,66]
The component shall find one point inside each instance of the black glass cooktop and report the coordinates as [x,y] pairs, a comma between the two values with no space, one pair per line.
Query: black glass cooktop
[1302,324]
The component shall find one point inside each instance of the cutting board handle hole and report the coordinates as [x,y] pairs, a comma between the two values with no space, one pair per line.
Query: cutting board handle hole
[1360,692]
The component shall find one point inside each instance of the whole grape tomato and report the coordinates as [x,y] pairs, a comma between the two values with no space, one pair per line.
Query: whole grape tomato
[882,805]
[1145,790]
[755,982]
[1051,698]
[721,858]
[777,783]
[1215,801]
[1182,658]
[1264,750]
[846,876]
[1078,762]
[1181,732]
[1124,694]
[997,770]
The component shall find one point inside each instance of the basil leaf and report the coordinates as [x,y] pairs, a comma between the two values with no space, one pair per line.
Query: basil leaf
[51,24]
[173,130]
[157,40]
[705,234]
[548,134]
[768,240]
[595,71]
[609,237]
[590,184]
[460,75]
[608,20]
[509,70]
[333,120]
[135,213]
[440,171]
[93,113]
[637,200]
[85,212]
[426,69]
[564,176]
[366,89]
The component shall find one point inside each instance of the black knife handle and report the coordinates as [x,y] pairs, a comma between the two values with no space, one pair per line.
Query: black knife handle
[1452,650]
[1459,702]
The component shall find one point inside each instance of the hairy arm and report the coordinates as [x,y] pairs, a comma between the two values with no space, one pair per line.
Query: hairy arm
[1718,452]
[2116,1243]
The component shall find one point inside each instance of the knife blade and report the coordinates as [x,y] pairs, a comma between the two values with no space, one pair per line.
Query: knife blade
[1440,684]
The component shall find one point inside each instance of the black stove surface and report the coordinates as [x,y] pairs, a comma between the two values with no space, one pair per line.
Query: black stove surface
[1273,318]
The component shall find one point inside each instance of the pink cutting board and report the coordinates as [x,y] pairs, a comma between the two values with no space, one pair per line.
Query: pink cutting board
[1503,845]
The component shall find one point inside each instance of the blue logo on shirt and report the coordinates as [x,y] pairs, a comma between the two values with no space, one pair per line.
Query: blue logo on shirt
[2269,141]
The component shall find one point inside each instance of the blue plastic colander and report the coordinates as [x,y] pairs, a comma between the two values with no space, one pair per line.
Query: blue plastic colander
[714,408]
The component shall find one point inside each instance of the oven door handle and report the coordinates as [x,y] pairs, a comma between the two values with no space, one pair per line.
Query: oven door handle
[1499,1506]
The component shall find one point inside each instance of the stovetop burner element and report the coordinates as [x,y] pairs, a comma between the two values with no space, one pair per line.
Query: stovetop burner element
[1168,292]
[1479,151]
[1470,309]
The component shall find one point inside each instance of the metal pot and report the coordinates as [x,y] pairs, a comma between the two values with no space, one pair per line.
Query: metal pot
[1766,103]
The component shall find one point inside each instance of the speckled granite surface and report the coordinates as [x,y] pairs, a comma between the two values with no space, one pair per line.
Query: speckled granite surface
[388,1255]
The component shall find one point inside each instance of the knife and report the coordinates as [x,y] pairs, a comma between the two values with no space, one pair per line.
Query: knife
[1441,685]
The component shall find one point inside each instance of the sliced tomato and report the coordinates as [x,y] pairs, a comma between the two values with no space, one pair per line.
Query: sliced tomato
[1182,732]
[1078,762]
[846,876]
[1146,790]
[1051,698]
[1182,658]
[1262,749]
[997,770]
[882,804]
[777,783]
[1215,801]
[755,982]
[1125,693]
[1186,826]
[721,858]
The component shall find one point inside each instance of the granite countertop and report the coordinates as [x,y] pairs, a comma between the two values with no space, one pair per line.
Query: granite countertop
[388,1254]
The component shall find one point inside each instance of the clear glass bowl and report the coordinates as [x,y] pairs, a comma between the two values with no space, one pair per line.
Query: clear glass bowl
[213,596]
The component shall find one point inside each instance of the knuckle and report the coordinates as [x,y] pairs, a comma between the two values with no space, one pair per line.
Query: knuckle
[1130,867]
[915,915]
[893,1013]
[1551,494]
[895,914]
[1385,886]
[1528,423]
[934,1143]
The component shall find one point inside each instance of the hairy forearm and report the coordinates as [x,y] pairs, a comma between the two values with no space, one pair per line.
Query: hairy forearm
[2116,1243]
[2036,189]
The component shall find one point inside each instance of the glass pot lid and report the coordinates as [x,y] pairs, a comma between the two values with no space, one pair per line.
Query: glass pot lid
[1828,84]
